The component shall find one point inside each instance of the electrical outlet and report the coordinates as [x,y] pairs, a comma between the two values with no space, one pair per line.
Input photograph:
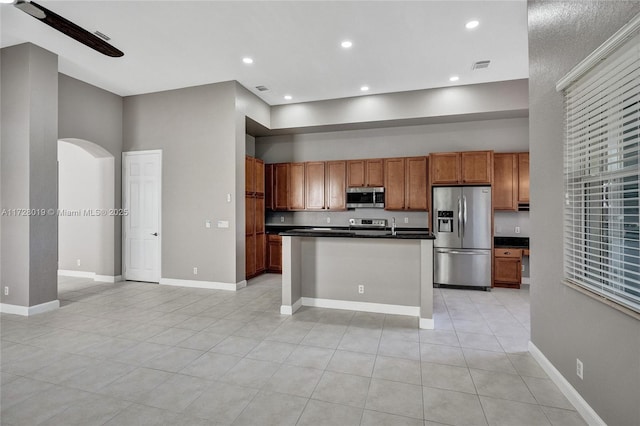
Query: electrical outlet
[281,219]
[207,223]
[522,268]
[78,262]
[517,229]
[406,220]
[579,368]
[6,291]
[328,220]
[361,289]
[195,270]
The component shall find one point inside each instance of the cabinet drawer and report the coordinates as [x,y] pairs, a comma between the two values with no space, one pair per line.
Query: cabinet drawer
[274,238]
[508,252]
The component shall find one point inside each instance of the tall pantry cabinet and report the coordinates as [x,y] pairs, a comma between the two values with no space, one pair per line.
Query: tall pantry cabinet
[255,237]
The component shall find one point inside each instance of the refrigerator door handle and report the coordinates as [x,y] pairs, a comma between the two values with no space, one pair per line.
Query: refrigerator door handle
[464,214]
[469,252]
[459,215]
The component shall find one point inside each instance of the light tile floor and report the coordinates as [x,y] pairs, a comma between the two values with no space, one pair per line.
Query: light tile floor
[143,354]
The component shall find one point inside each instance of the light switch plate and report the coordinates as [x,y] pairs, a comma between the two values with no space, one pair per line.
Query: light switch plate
[223,224]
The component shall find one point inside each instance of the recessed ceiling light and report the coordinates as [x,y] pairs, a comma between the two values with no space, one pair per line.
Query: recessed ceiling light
[364,88]
[247,60]
[6,1]
[346,44]
[454,78]
[472,24]
[288,97]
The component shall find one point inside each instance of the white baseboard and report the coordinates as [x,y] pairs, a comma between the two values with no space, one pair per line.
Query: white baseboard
[427,323]
[525,280]
[26,311]
[90,275]
[380,308]
[289,310]
[211,285]
[588,414]
[78,274]
[108,278]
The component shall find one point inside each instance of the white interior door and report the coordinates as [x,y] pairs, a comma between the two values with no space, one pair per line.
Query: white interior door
[142,179]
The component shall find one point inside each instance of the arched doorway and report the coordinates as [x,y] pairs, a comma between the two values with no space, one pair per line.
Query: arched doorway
[86,199]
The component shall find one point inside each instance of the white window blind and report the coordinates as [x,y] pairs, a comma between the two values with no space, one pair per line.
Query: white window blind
[601,250]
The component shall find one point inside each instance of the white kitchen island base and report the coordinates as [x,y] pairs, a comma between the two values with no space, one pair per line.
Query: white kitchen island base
[396,275]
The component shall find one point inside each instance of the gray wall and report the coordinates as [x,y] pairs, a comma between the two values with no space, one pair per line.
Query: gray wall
[195,129]
[29,80]
[501,135]
[566,324]
[95,115]
[481,100]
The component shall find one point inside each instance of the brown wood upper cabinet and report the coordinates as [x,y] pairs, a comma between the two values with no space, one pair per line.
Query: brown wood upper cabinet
[336,185]
[365,173]
[523,177]
[511,180]
[505,182]
[281,186]
[406,183]
[455,168]
[325,185]
[314,177]
[296,186]
[254,175]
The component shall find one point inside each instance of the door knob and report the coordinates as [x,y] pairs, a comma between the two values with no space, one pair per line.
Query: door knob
[155,234]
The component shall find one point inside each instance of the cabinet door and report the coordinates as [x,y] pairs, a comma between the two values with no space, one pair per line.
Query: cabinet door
[261,253]
[508,270]
[250,255]
[274,253]
[476,166]
[249,214]
[335,185]
[250,175]
[268,186]
[296,186]
[259,185]
[281,186]
[259,215]
[356,173]
[314,177]
[505,182]
[394,184]
[375,172]
[523,177]
[445,168]
[416,183]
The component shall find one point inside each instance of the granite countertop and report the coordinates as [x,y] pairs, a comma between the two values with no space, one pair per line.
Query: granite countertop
[511,242]
[345,232]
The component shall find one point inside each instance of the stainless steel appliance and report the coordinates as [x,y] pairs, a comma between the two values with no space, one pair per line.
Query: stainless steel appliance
[361,197]
[462,227]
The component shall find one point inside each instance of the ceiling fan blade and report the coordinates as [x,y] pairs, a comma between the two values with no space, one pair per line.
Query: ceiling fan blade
[67,27]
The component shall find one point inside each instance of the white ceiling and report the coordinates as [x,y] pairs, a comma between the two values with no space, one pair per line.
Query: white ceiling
[397,45]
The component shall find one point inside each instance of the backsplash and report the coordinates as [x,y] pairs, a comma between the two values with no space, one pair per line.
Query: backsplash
[319,218]
[505,224]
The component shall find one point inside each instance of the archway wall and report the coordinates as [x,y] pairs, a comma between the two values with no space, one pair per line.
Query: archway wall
[85,192]
[88,113]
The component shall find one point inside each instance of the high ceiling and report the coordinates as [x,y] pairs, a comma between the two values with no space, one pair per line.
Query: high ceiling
[295,45]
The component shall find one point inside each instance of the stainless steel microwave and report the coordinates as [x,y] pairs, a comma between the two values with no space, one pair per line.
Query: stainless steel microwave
[363,197]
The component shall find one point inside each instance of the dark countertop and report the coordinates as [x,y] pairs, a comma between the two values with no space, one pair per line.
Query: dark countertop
[514,242]
[345,232]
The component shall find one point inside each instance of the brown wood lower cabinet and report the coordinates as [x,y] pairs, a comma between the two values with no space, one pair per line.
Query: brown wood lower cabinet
[507,267]
[274,253]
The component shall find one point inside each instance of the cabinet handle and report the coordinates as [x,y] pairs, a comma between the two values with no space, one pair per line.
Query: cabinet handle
[507,252]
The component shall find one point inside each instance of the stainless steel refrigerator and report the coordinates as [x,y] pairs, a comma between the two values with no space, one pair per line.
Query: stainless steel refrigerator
[462,226]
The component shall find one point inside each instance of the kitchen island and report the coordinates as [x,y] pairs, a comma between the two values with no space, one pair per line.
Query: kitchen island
[369,271]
